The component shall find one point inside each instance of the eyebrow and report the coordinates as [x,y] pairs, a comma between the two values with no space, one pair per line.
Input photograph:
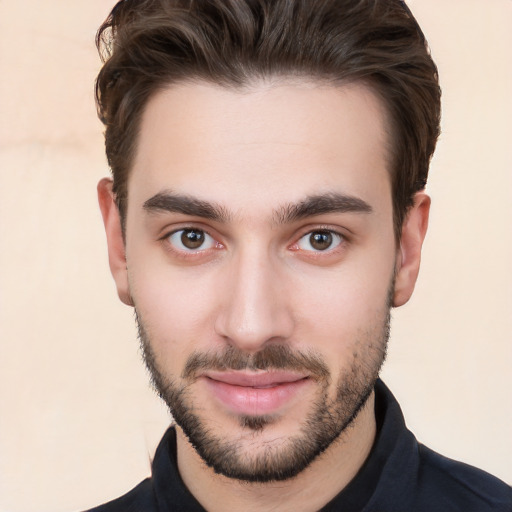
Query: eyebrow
[188,205]
[320,204]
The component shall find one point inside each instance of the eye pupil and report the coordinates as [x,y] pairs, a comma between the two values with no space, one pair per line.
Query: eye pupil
[320,240]
[192,238]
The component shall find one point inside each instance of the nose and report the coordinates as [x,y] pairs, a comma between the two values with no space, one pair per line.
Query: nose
[256,307]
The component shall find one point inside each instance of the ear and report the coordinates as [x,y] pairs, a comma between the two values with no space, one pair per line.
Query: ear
[115,241]
[414,230]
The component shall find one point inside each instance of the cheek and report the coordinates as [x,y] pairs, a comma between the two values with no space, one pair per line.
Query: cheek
[343,307]
[175,305]
[343,303]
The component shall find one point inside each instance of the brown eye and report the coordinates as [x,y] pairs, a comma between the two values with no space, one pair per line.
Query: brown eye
[321,240]
[191,239]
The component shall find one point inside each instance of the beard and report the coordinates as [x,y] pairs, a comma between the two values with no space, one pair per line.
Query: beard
[328,416]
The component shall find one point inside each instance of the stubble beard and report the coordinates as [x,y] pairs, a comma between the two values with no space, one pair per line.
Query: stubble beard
[327,420]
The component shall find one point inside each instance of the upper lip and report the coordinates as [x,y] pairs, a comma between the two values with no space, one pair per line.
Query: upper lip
[255,380]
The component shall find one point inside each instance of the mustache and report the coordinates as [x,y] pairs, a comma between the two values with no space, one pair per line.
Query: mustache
[271,357]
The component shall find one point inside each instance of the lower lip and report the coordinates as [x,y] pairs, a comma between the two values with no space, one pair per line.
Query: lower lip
[255,401]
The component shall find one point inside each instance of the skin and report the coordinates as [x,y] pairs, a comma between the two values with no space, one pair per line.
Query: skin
[258,280]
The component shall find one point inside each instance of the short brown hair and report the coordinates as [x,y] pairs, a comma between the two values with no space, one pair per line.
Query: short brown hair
[147,45]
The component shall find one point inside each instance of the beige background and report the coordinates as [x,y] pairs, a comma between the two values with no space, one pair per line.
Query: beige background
[78,422]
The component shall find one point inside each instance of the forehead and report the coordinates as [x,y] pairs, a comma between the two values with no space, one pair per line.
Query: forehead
[277,142]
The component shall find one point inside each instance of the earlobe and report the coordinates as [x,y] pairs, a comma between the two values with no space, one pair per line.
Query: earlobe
[414,230]
[115,240]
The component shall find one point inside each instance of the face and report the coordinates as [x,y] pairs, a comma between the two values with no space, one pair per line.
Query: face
[261,258]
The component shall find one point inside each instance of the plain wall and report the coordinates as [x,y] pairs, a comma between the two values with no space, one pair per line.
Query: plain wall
[78,421]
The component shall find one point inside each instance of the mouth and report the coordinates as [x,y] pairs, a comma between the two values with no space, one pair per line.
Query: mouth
[255,394]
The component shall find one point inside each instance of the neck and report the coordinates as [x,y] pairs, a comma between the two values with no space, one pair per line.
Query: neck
[328,474]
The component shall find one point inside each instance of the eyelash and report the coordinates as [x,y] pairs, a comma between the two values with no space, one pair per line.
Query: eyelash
[188,252]
[338,239]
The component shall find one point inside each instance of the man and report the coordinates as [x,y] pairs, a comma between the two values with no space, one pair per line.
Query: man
[267,210]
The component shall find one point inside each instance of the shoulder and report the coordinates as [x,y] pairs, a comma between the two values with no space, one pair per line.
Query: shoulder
[139,498]
[416,478]
[453,485]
